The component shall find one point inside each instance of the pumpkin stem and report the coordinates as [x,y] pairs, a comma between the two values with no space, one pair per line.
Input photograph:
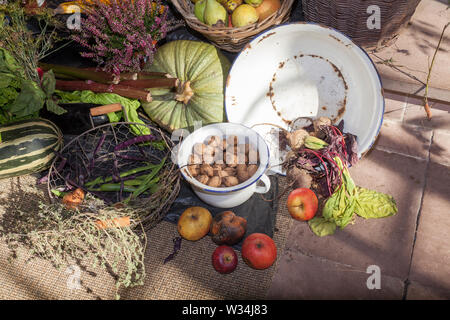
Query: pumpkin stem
[184,92]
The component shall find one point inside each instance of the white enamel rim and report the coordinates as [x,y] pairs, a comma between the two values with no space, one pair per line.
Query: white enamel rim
[253,179]
[369,64]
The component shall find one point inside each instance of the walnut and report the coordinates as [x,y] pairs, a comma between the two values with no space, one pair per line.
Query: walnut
[203,179]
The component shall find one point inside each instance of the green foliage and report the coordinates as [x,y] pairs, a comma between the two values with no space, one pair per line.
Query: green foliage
[348,199]
[340,207]
[21,98]
[321,226]
[372,204]
[21,93]
[130,106]
[25,47]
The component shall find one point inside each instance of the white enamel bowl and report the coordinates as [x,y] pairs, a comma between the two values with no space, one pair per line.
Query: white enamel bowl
[231,196]
[305,70]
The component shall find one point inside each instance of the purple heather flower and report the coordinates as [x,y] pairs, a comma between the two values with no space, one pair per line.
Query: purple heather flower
[119,35]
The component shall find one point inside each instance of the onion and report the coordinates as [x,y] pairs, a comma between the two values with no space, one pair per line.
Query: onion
[267,7]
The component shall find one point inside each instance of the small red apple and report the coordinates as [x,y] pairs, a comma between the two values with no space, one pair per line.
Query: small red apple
[259,251]
[224,259]
[302,204]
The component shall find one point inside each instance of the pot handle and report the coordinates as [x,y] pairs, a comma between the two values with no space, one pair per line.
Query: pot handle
[265,179]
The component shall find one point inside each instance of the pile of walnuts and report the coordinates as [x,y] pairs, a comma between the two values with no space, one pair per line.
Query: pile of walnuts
[223,162]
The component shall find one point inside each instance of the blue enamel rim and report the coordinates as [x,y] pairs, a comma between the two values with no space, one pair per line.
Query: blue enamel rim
[345,36]
[245,185]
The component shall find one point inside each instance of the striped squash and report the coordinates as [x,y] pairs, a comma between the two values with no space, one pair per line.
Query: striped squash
[28,146]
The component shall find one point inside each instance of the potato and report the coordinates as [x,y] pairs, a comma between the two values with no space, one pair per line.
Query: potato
[231,181]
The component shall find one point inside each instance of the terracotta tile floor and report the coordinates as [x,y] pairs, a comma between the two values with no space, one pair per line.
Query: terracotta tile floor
[411,161]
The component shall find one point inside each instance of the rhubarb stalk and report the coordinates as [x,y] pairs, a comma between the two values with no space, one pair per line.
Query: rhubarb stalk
[79,73]
[151,83]
[125,91]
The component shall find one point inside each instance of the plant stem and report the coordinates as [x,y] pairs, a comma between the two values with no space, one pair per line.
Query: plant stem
[79,73]
[151,83]
[427,107]
[125,91]
[148,75]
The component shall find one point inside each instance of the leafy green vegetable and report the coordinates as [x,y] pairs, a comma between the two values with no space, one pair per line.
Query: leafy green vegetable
[21,98]
[321,226]
[130,106]
[348,199]
[372,204]
[29,101]
[340,207]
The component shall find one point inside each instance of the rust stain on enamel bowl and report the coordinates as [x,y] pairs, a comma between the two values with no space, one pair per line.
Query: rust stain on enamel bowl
[266,36]
[324,77]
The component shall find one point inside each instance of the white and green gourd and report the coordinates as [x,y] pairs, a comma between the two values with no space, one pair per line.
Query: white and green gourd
[28,146]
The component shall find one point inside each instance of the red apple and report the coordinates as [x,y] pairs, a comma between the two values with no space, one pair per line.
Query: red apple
[302,204]
[224,259]
[259,251]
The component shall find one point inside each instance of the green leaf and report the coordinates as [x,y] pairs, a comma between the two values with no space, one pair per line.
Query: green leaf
[48,83]
[340,207]
[52,106]
[321,226]
[372,204]
[29,101]
[114,116]
[130,106]
[9,65]
[5,80]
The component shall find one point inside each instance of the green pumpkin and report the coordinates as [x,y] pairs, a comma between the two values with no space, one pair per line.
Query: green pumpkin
[202,71]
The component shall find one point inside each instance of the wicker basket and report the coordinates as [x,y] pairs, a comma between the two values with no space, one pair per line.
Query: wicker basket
[351,16]
[231,39]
